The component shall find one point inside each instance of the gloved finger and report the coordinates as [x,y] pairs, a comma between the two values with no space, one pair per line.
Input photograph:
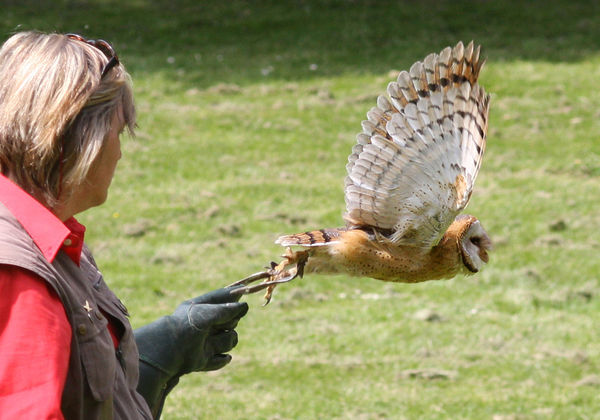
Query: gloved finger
[217,296]
[232,323]
[223,342]
[217,362]
[204,316]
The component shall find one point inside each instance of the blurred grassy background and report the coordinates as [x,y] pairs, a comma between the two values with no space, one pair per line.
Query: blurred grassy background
[247,112]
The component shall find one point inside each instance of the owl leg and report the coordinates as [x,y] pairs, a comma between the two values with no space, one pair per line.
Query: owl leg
[277,274]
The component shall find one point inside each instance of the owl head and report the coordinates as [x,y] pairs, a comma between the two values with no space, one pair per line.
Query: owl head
[473,243]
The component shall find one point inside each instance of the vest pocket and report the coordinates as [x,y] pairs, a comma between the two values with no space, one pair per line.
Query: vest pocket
[97,353]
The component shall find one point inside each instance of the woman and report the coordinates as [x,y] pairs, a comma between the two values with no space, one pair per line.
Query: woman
[67,349]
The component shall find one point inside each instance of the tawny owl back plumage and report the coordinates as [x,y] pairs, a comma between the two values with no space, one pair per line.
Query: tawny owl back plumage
[410,175]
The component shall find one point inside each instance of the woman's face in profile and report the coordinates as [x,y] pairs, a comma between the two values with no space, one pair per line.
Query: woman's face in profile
[100,175]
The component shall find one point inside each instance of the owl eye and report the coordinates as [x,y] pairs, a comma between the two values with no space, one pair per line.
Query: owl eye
[475,240]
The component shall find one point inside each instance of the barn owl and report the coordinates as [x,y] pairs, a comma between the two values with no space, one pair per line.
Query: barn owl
[410,174]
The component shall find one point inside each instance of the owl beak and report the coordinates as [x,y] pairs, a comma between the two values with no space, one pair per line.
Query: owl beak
[485,246]
[484,256]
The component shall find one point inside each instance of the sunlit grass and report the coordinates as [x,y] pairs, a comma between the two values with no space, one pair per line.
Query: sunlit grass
[247,113]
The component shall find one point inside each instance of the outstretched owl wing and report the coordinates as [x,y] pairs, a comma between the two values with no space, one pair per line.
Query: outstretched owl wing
[414,165]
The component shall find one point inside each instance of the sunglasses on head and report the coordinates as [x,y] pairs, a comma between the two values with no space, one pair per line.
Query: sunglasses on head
[104,47]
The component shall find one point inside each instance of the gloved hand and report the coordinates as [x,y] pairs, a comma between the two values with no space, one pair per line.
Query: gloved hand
[194,338]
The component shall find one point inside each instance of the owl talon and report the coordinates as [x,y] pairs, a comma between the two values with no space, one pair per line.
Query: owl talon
[246,290]
[273,276]
[252,278]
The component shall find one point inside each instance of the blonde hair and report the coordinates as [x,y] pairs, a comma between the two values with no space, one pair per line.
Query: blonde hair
[56,111]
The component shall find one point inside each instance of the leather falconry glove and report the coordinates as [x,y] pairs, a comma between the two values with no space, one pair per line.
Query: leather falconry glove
[194,338]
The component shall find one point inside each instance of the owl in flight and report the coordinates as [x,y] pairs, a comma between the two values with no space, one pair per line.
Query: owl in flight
[410,175]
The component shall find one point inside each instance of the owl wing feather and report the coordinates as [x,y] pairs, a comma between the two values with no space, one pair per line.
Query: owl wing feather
[413,167]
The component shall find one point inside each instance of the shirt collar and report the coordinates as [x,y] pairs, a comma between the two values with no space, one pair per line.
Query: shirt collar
[48,232]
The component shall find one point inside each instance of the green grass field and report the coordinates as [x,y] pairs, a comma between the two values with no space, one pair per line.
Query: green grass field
[247,113]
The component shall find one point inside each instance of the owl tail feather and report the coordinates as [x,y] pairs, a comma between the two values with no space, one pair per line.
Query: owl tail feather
[312,238]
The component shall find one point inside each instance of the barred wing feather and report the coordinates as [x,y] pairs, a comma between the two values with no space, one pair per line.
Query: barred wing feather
[413,167]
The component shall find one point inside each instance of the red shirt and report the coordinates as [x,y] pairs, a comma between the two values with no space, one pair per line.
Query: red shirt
[35,334]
